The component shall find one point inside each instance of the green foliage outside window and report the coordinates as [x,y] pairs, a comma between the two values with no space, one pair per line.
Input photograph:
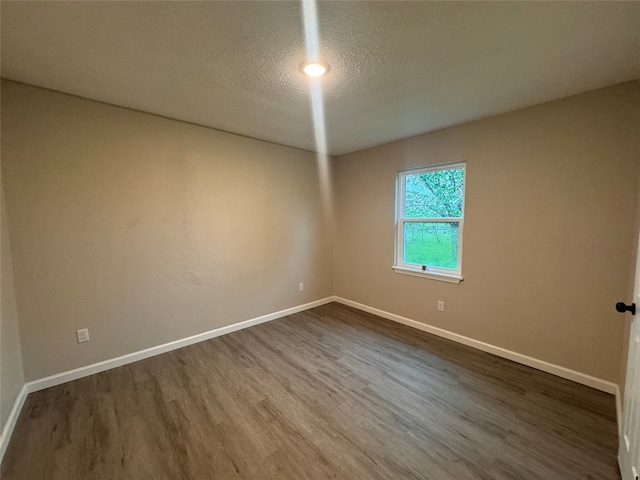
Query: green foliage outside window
[432,195]
[435,194]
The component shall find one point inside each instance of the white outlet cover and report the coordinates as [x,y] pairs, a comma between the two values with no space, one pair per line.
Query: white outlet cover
[440,306]
[83,335]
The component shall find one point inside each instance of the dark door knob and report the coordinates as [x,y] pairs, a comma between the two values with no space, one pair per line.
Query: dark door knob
[621,307]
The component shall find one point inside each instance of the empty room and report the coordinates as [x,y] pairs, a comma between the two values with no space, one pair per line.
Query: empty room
[320,239]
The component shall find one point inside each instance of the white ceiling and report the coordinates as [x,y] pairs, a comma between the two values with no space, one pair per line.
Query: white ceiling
[397,68]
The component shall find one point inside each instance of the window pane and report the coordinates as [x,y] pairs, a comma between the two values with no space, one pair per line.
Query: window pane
[432,244]
[434,194]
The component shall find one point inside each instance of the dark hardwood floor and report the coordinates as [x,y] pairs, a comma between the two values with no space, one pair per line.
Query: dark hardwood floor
[332,392]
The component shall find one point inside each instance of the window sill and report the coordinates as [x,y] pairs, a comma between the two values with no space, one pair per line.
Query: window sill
[442,277]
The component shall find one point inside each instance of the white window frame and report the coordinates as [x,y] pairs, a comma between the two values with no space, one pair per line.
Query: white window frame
[426,271]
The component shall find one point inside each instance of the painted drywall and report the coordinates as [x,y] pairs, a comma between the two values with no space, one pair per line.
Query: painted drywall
[549,229]
[147,230]
[11,372]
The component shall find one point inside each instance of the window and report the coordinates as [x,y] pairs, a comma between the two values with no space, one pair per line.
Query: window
[430,220]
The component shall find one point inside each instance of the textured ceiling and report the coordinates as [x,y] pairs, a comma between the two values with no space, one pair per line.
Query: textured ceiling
[397,68]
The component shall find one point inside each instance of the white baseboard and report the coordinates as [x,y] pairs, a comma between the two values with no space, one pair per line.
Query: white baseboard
[70,375]
[582,378]
[10,424]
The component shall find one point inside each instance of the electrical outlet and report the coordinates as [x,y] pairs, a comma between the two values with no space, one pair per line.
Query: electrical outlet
[440,306]
[83,335]
[301,287]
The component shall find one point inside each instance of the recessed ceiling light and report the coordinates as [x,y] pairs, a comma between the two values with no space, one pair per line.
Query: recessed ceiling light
[314,69]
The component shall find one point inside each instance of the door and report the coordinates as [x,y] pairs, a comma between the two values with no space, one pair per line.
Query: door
[629,451]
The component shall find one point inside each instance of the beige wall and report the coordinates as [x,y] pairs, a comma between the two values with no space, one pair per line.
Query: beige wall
[549,229]
[11,373]
[147,230]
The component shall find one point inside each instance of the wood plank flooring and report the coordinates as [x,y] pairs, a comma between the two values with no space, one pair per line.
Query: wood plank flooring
[332,392]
